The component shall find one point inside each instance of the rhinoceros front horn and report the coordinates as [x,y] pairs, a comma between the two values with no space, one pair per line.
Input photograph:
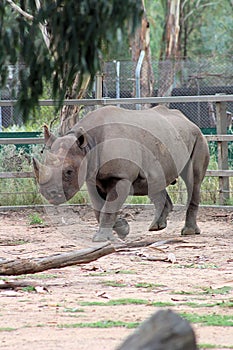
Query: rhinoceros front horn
[42,172]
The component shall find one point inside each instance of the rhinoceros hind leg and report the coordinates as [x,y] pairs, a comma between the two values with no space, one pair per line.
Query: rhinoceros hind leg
[103,235]
[163,206]
[188,231]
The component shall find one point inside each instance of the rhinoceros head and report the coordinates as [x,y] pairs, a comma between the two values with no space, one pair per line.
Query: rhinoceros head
[62,172]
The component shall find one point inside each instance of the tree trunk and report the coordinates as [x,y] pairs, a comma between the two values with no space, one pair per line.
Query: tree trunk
[168,67]
[69,115]
[141,41]
[164,330]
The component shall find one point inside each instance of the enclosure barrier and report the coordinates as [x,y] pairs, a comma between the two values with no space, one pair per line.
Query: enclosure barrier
[222,139]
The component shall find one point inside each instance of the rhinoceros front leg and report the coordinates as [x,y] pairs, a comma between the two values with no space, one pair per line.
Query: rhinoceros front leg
[163,206]
[106,208]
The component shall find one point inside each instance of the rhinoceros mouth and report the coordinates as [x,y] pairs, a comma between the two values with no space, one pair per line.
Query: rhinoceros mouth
[56,197]
[58,200]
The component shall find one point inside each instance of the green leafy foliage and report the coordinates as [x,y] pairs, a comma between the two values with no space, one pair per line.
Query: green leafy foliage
[77,30]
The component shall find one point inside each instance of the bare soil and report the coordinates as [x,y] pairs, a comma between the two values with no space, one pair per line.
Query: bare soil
[186,275]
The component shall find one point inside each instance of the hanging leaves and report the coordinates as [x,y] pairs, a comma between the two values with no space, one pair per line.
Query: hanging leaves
[77,30]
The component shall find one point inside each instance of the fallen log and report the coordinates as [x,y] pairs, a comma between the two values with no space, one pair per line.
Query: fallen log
[164,330]
[33,265]
[23,266]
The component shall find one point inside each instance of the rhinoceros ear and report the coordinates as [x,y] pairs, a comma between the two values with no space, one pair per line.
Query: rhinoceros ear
[81,136]
[36,168]
[49,138]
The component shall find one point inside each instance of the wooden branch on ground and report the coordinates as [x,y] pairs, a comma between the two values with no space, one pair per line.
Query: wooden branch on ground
[33,265]
[76,257]
[164,330]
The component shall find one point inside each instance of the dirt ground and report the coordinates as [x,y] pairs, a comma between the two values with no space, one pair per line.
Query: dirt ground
[192,275]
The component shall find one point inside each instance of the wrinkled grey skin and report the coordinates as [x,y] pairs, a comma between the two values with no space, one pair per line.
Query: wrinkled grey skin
[118,152]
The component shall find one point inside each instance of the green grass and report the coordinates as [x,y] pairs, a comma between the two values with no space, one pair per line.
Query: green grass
[125,301]
[128,301]
[200,305]
[14,243]
[125,272]
[28,289]
[40,276]
[7,329]
[222,291]
[113,284]
[35,219]
[211,346]
[73,310]
[101,324]
[209,320]
[194,266]
[148,285]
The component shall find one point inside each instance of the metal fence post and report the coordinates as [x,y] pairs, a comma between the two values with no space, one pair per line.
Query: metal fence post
[221,120]
[98,86]
[137,76]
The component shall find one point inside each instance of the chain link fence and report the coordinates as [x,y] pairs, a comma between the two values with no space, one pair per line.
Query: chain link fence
[189,78]
[202,77]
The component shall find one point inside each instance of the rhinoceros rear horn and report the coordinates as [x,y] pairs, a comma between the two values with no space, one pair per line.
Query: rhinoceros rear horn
[43,173]
[81,136]
[49,138]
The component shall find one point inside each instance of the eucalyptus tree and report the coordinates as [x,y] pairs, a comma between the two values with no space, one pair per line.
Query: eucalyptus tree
[60,42]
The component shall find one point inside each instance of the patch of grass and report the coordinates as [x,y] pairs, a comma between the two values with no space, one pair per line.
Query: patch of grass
[148,285]
[7,329]
[29,289]
[209,320]
[183,292]
[195,266]
[126,301]
[37,276]
[73,309]
[101,324]
[125,272]
[223,290]
[113,284]
[198,305]
[35,219]
[15,242]
[211,346]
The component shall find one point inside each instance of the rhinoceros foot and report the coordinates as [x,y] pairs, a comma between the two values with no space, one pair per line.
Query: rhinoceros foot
[104,235]
[121,227]
[189,231]
[158,225]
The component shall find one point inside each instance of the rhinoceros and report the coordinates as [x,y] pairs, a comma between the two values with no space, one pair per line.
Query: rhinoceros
[120,152]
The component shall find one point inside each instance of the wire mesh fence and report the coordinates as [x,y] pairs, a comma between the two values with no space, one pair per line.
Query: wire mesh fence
[202,77]
[206,76]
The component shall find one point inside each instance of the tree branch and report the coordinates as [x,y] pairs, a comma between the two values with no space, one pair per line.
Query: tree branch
[43,28]
[75,257]
[19,10]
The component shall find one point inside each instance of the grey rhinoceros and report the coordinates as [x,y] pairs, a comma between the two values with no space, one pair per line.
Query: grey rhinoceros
[118,152]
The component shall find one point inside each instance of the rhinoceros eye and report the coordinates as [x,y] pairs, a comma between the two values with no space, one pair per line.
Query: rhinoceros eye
[67,174]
